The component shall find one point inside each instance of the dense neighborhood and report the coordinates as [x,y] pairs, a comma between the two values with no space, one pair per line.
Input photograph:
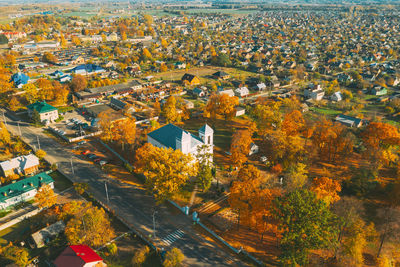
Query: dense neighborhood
[199,134]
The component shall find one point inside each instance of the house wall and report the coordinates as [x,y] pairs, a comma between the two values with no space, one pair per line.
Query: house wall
[49,116]
[154,142]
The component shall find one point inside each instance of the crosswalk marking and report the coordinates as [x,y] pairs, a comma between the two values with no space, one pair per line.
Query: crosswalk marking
[171,238]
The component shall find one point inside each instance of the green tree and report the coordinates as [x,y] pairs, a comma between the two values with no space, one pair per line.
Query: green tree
[306,223]
[36,118]
[3,39]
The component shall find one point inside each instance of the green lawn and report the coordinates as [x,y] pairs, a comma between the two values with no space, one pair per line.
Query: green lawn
[326,111]
[60,181]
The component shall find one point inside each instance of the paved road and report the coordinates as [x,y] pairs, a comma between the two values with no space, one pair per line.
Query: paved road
[130,203]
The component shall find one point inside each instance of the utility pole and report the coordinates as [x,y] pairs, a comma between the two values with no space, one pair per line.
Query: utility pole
[4,118]
[154,223]
[105,186]
[19,128]
[37,137]
[72,167]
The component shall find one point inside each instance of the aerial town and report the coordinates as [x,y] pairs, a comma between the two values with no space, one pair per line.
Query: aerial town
[199,133]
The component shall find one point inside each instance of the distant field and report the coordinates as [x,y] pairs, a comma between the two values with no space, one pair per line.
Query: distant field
[222,11]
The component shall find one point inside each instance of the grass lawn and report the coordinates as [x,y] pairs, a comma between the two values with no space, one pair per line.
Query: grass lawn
[60,181]
[326,111]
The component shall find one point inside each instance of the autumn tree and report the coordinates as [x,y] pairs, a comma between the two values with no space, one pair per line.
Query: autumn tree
[267,116]
[106,125]
[169,110]
[166,170]
[5,137]
[285,149]
[40,153]
[140,256]
[240,146]
[18,255]
[381,141]
[173,258]
[45,197]
[49,58]
[306,223]
[332,140]
[326,189]
[31,93]
[78,83]
[251,199]
[125,131]
[90,226]
[80,188]
[221,104]
[293,123]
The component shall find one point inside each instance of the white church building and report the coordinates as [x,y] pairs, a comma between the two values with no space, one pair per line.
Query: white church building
[171,136]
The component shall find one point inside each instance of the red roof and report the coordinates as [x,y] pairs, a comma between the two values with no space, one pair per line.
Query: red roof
[77,256]
[86,253]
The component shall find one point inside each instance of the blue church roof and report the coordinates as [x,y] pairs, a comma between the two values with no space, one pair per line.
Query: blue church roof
[19,78]
[168,134]
[87,68]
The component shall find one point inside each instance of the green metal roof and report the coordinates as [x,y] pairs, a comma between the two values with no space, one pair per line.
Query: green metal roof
[41,107]
[24,185]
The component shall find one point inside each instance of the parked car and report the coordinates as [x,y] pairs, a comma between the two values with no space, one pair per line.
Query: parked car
[82,142]
[86,152]
[97,159]
[102,162]
[91,156]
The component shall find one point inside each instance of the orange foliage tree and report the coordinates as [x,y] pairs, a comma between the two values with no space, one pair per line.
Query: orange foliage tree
[293,123]
[251,200]
[223,105]
[326,189]
[332,140]
[240,146]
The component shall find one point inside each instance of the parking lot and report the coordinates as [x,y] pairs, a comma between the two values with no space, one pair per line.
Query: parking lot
[73,125]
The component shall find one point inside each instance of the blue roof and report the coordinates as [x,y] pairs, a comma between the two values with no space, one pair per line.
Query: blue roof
[168,134]
[87,68]
[19,78]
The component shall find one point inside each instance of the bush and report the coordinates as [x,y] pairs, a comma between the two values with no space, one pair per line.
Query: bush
[128,167]
[173,258]
[140,256]
[113,249]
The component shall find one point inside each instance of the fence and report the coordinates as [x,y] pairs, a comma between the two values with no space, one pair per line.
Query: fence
[74,139]
[211,232]
[116,154]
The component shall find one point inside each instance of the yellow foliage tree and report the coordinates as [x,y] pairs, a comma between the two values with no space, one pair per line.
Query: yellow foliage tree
[45,197]
[326,189]
[223,105]
[166,170]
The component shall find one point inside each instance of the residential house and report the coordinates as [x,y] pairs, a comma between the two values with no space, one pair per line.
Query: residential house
[199,92]
[378,91]
[314,92]
[190,79]
[43,236]
[261,87]
[337,96]
[12,36]
[226,92]
[79,256]
[242,91]
[88,69]
[135,85]
[171,136]
[180,65]
[47,112]
[253,149]
[273,82]
[20,165]
[221,75]
[119,104]
[75,60]
[188,104]
[19,79]
[349,121]
[65,78]
[240,111]
[23,190]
